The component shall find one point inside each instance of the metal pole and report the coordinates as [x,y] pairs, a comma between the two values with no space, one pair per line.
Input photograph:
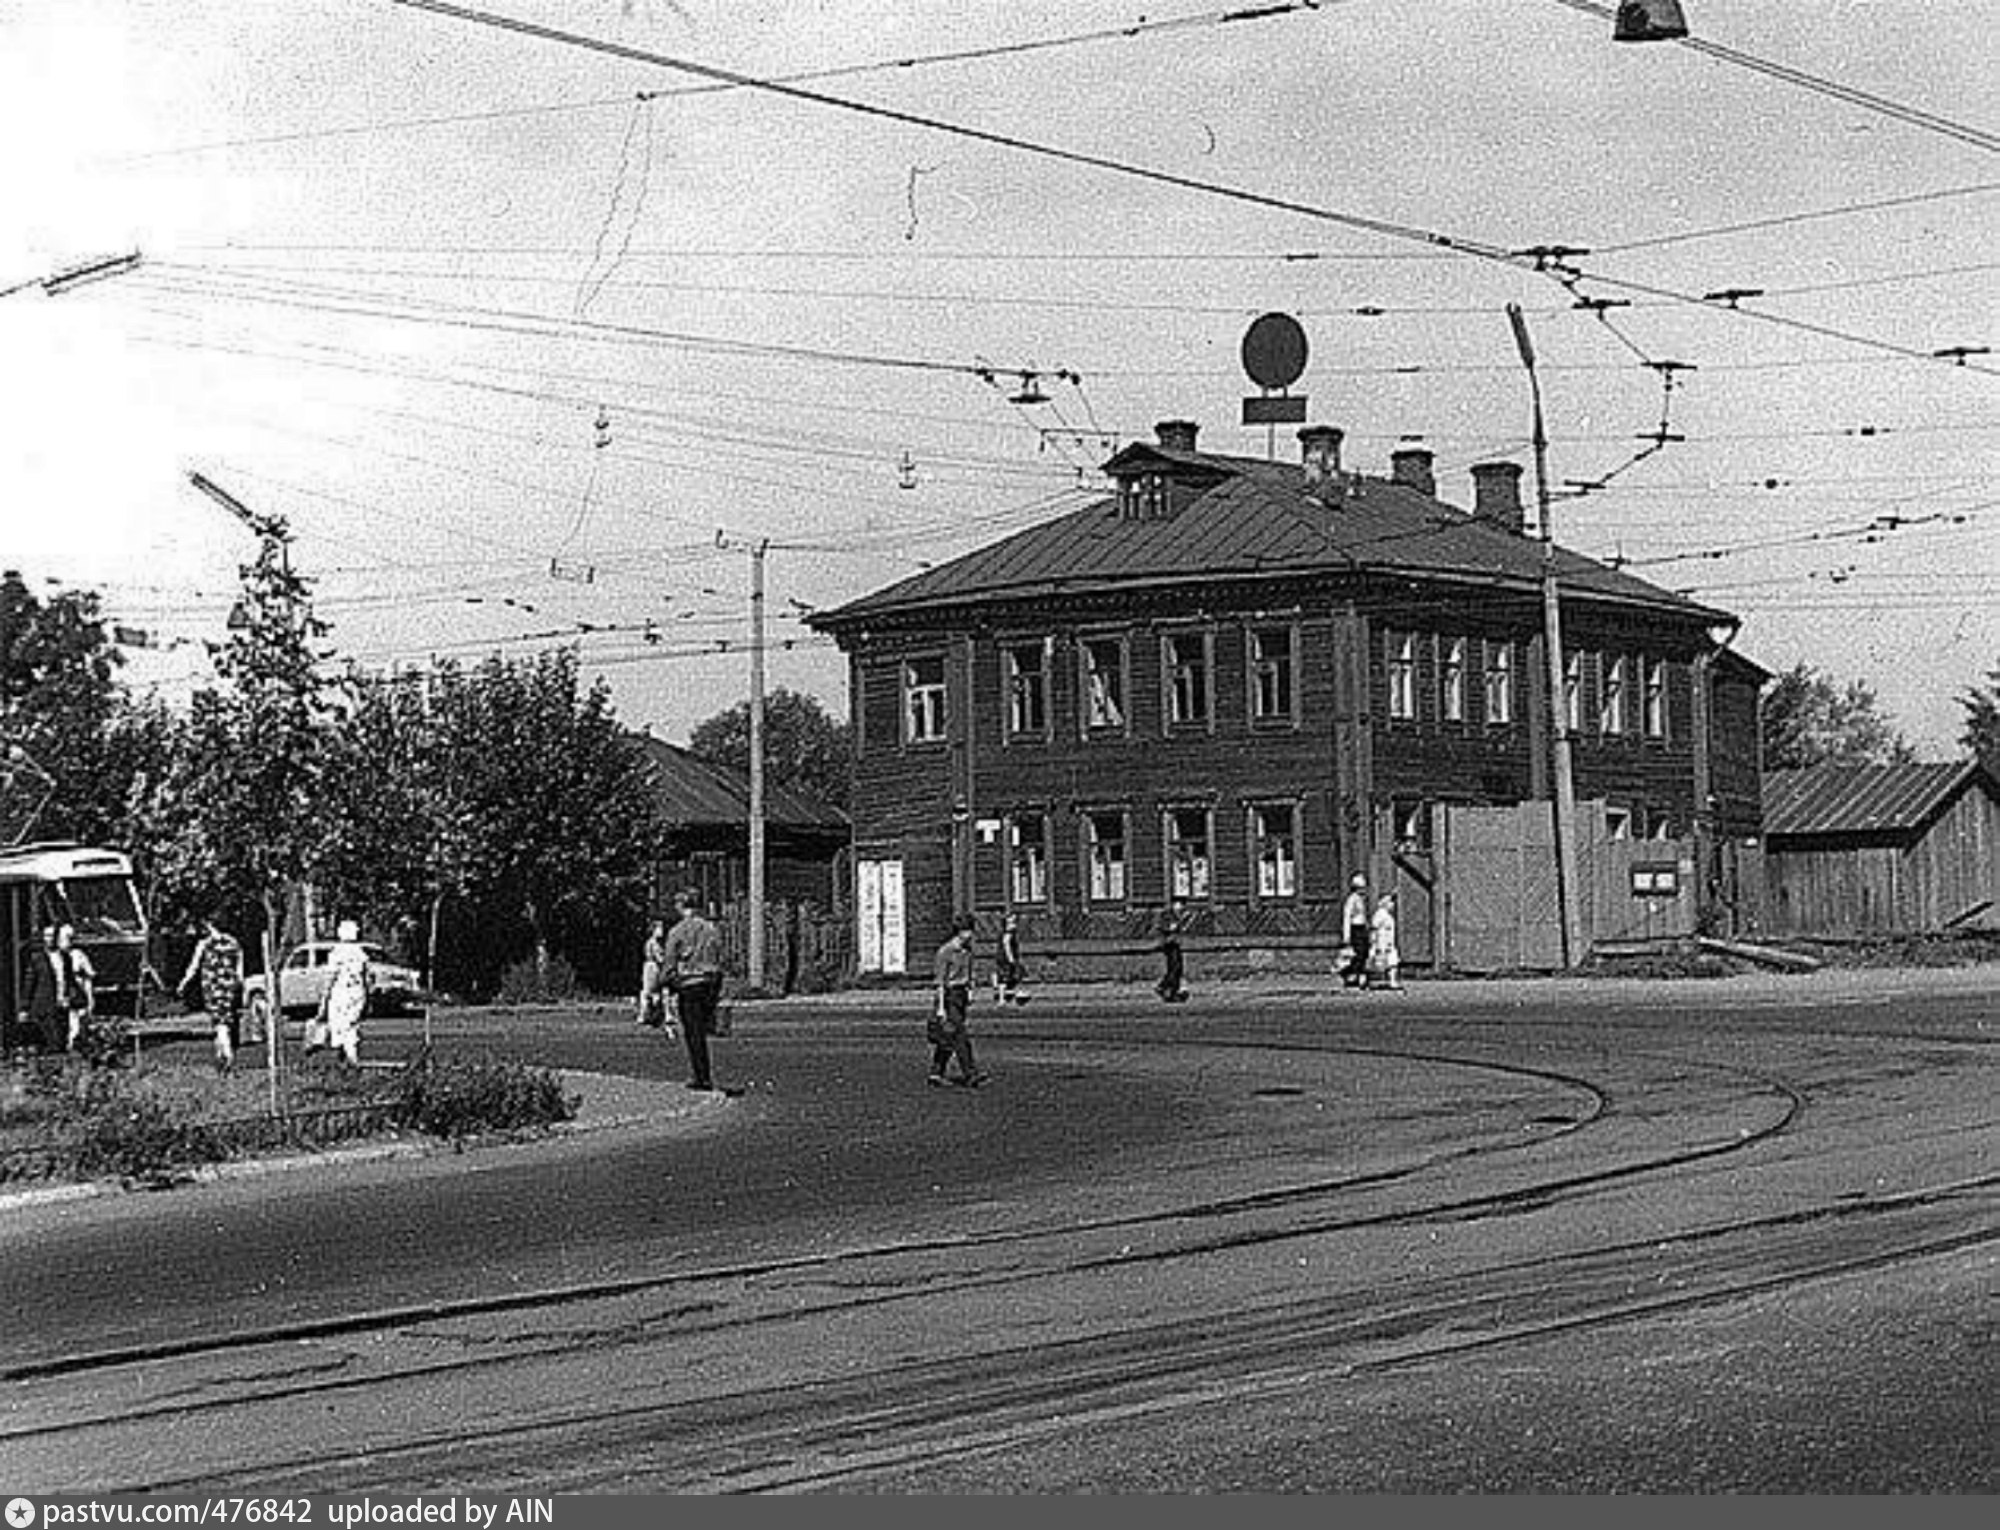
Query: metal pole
[756,931]
[1568,911]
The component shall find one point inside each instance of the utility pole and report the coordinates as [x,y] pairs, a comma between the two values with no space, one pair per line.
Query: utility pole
[269,528]
[1568,910]
[756,932]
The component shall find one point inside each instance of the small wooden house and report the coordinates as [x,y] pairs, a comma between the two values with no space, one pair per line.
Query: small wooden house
[1854,851]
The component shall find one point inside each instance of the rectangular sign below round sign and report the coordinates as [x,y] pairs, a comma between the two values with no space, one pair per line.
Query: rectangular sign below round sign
[1275,409]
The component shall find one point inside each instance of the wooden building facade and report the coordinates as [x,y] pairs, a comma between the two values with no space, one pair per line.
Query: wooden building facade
[1233,683]
[1860,851]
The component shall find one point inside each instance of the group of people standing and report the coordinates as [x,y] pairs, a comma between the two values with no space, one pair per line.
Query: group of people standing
[1372,959]
[59,988]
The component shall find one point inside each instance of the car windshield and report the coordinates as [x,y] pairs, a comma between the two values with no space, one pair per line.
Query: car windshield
[103,906]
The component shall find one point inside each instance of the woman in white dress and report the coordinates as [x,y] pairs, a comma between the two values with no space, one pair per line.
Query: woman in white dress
[346,992]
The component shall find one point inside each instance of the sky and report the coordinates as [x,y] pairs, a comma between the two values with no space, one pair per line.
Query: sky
[531,343]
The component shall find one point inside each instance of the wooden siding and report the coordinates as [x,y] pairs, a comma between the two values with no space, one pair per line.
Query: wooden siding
[1851,886]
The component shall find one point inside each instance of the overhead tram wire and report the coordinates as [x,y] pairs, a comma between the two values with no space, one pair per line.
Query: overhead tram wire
[1910,116]
[1789,220]
[1385,228]
[1141,28]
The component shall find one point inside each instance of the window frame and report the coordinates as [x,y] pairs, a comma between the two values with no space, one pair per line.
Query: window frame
[1170,844]
[1038,861]
[1091,842]
[1654,705]
[1169,675]
[1498,666]
[1573,691]
[1254,665]
[1453,655]
[1399,659]
[1258,840]
[1613,711]
[909,689]
[1086,728]
[1010,676]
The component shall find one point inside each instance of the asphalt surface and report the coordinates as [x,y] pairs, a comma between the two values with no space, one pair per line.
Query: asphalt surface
[1137,1184]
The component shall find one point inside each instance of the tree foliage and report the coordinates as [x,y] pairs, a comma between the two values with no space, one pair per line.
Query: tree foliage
[1982,720]
[805,750]
[1809,718]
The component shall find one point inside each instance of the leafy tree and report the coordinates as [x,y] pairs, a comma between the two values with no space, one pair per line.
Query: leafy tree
[1982,720]
[805,750]
[60,708]
[1809,718]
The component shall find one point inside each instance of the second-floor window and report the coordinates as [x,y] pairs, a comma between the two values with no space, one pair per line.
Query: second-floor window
[1611,709]
[1499,683]
[1187,853]
[1656,699]
[1104,683]
[923,700]
[1027,858]
[1104,854]
[1451,683]
[1027,688]
[1402,650]
[1573,692]
[1274,830]
[1186,656]
[1271,668]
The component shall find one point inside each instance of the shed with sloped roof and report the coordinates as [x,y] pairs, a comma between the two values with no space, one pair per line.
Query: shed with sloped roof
[1852,851]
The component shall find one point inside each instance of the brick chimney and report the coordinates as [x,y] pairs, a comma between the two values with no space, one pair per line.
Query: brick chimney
[1177,435]
[1496,496]
[1319,450]
[1411,466]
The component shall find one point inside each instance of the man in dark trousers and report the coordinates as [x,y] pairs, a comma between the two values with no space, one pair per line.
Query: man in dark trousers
[693,962]
[1173,975]
[949,1036]
[45,991]
[1354,915]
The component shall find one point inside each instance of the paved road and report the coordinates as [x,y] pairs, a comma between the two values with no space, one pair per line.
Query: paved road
[1551,1235]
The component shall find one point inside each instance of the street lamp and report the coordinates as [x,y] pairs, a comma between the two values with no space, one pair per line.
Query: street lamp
[1649,21]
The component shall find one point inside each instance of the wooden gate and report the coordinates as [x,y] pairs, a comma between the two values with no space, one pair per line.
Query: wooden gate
[1415,884]
[1502,904]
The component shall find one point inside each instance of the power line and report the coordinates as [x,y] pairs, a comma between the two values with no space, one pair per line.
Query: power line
[1911,116]
[1379,226]
[1789,220]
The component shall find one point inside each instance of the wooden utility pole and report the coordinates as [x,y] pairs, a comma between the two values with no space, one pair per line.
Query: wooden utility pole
[756,931]
[1568,910]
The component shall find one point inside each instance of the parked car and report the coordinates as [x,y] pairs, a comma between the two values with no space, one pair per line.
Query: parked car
[393,989]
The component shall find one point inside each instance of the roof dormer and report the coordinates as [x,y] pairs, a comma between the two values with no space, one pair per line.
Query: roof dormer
[1156,482]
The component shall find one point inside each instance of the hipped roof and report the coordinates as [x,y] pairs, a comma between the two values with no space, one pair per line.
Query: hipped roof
[1249,518]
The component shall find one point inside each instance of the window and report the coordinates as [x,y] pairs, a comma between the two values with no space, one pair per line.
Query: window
[1656,698]
[1451,685]
[1143,498]
[1402,674]
[1027,859]
[1104,855]
[1274,834]
[923,700]
[1500,683]
[1611,708]
[1618,823]
[1187,677]
[1027,688]
[1573,692]
[1271,674]
[1187,852]
[1412,823]
[1104,683]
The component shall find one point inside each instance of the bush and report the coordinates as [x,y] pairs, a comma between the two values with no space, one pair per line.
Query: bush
[143,1139]
[460,1097]
[551,982]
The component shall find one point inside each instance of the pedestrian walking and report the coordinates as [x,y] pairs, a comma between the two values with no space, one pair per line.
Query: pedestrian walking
[80,987]
[215,976]
[692,960]
[1172,985]
[1008,967]
[653,978]
[1385,962]
[949,1033]
[1354,916]
[348,982]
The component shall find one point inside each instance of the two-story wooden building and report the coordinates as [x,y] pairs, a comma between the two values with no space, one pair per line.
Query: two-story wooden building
[1233,682]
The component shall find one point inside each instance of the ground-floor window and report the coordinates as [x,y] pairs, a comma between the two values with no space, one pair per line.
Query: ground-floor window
[1187,852]
[1104,855]
[1027,858]
[1274,833]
